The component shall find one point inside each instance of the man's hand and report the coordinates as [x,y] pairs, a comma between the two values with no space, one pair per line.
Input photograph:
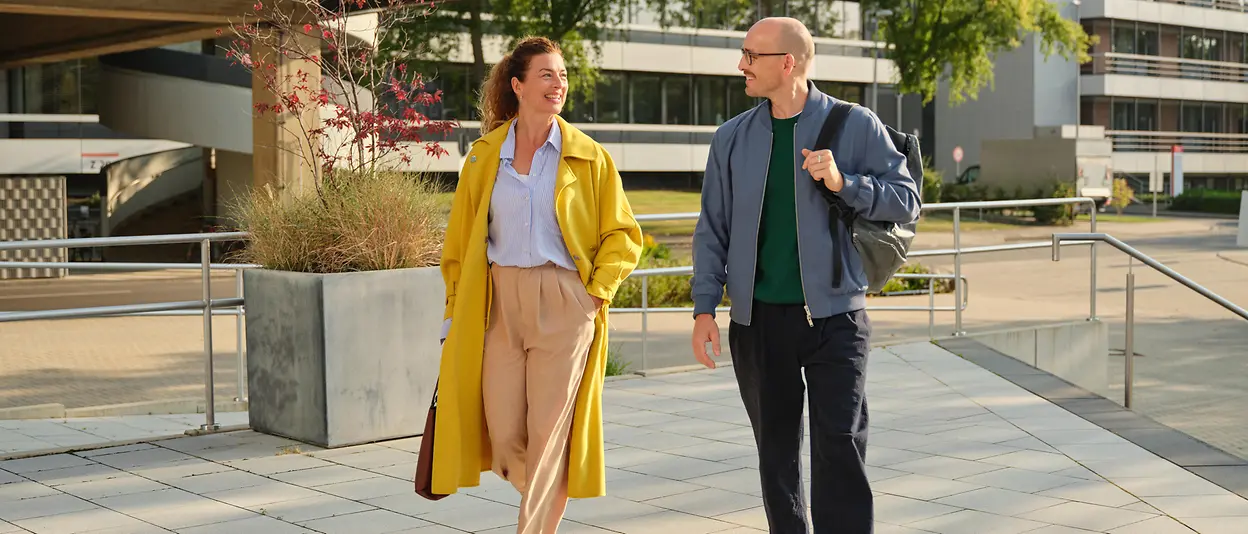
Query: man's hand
[822,166]
[705,330]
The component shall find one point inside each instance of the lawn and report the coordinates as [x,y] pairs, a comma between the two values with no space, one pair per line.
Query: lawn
[647,202]
[653,201]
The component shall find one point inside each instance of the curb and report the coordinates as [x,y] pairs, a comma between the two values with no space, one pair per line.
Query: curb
[119,443]
[161,407]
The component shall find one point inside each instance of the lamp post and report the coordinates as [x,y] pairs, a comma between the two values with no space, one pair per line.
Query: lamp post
[875,64]
[1078,78]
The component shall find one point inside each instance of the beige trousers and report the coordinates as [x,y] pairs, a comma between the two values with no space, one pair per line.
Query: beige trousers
[541,327]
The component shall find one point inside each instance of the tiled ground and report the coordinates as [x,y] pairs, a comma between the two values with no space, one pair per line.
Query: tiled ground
[954,449]
[19,436]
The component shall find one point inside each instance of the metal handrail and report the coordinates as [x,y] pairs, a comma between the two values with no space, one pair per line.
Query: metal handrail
[1129,348]
[957,251]
[207,304]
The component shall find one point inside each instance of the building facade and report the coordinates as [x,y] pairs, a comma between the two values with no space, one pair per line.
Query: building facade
[1167,77]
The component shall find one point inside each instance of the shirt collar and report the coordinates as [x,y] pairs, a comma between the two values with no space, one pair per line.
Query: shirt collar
[508,150]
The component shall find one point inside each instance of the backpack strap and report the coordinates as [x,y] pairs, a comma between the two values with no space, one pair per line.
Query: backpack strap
[838,211]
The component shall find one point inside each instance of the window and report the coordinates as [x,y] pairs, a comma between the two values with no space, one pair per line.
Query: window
[1147,42]
[1191,117]
[1124,40]
[1146,116]
[67,87]
[1212,114]
[738,101]
[1239,119]
[646,92]
[677,100]
[712,95]
[610,98]
[1124,115]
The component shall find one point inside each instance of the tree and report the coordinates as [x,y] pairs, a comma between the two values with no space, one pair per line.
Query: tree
[955,40]
[739,15]
[322,85]
[441,32]
[1123,194]
[579,26]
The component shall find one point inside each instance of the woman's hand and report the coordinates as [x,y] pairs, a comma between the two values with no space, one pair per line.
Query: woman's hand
[597,302]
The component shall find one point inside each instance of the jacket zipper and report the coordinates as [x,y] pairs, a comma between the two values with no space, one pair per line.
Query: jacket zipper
[798,226]
[759,226]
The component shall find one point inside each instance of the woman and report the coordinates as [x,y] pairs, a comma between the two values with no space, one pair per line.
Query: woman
[539,239]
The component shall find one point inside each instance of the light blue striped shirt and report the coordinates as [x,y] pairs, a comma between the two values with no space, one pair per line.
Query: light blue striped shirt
[524,231]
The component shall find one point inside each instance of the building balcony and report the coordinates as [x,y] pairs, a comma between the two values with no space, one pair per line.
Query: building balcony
[1137,76]
[1145,153]
[1227,5]
[1225,15]
[1137,141]
[1168,67]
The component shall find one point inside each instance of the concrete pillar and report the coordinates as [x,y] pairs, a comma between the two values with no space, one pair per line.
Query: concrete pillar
[281,156]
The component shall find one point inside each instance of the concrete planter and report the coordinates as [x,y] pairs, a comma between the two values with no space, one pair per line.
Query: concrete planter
[342,359]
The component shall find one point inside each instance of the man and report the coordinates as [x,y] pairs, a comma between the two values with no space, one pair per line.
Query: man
[764,233]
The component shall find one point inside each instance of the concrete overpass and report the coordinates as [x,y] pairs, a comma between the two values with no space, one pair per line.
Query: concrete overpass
[43,31]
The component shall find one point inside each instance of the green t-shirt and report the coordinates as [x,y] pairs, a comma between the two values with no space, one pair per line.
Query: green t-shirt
[778,280]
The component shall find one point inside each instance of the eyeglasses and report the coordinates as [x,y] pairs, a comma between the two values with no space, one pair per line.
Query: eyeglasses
[750,57]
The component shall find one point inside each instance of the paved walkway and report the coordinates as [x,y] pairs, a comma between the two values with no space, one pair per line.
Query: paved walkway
[954,449]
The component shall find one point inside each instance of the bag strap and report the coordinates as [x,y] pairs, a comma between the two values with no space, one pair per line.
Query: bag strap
[829,136]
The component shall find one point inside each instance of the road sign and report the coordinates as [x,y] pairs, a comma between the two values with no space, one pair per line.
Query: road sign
[957,154]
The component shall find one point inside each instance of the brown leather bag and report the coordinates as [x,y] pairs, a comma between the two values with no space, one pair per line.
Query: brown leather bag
[424,461]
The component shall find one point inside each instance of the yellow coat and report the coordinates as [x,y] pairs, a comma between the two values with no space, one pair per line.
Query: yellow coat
[605,242]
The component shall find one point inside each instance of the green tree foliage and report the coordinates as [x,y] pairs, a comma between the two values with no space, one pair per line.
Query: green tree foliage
[1122,195]
[579,26]
[956,40]
[739,15]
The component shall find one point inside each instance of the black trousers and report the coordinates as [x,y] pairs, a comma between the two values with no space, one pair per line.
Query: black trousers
[769,358]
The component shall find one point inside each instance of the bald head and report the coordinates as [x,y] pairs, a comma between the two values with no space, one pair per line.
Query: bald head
[788,35]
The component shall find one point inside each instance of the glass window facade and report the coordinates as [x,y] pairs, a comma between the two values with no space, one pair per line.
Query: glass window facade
[1152,115]
[65,88]
[632,98]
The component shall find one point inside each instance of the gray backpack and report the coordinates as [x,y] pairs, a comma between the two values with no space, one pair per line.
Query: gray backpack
[881,245]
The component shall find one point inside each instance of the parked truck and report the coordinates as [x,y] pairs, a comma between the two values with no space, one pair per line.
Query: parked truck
[1052,155]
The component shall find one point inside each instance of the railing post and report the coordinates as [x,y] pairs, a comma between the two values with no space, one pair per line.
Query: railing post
[205,256]
[239,349]
[1129,345]
[931,308]
[1092,261]
[957,271]
[645,323]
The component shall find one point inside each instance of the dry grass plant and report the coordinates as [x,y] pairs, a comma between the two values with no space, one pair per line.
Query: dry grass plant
[359,222]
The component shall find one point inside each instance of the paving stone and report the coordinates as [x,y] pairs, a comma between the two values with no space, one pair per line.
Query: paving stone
[976,522]
[370,522]
[90,519]
[485,515]
[43,463]
[16,511]
[174,509]
[311,508]
[251,525]
[999,501]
